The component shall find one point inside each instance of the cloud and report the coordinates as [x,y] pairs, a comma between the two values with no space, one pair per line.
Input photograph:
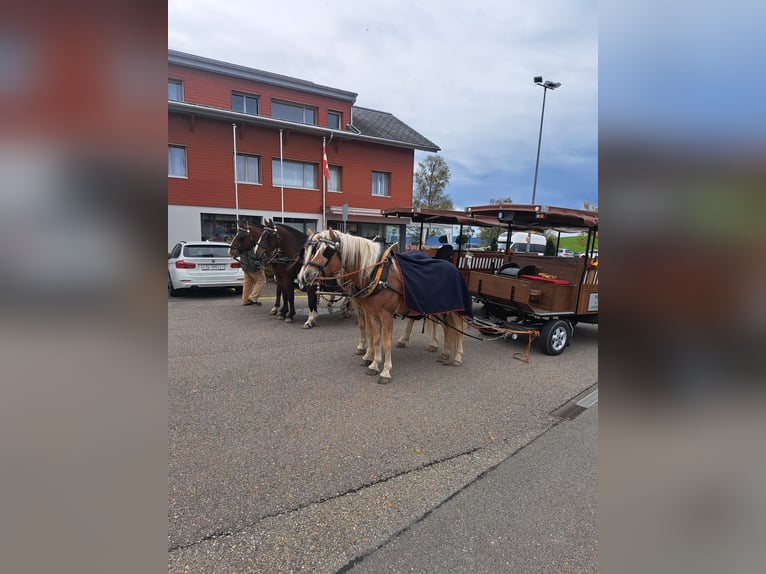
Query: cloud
[460,74]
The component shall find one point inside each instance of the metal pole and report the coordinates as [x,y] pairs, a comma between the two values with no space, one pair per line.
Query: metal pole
[539,141]
[236,189]
[324,188]
[281,176]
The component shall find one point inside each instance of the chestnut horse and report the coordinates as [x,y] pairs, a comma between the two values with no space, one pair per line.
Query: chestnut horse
[359,259]
[282,246]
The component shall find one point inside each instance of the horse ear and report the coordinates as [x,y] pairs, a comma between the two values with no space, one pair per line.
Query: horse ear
[309,232]
[332,234]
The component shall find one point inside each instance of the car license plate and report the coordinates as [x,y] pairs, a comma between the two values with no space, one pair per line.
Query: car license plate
[213,267]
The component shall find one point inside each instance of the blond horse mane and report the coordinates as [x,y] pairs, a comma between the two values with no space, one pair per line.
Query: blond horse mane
[358,253]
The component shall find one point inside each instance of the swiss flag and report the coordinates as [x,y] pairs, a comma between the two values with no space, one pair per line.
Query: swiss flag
[325,167]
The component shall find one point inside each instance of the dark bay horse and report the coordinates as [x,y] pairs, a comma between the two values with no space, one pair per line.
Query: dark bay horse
[245,240]
[359,259]
[282,247]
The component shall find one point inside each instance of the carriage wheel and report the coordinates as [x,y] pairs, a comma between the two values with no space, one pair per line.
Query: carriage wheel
[555,336]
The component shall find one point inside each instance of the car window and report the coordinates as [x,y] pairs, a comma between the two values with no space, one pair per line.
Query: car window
[206,251]
[176,250]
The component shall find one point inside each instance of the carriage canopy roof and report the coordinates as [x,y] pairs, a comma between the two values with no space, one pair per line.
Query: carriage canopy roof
[538,217]
[441,216]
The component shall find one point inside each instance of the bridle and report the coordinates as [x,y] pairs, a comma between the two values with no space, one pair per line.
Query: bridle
[331,249]
[244,242]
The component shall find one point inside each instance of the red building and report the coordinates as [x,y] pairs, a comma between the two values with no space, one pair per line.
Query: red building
[277,126]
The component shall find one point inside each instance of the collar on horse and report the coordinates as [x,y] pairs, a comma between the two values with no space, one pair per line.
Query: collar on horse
[379,275]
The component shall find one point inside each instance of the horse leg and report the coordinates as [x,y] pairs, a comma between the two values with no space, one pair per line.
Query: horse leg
[311,293]
[361,345]
[387,326]
[275,308]
[457,322]
[290,306]
[373,344]
[433,346]
[405,338]
[453,340]
[346,307]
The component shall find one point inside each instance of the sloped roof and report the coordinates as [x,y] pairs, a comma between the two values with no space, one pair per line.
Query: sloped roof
[387,126]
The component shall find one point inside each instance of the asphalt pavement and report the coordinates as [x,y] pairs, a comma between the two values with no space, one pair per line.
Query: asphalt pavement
[285,457]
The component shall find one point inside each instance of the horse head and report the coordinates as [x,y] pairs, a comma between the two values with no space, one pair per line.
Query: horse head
[245,239]
[321,258]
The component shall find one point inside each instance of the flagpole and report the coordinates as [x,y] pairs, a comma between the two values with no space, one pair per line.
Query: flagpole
[282,176]
[236,188]
[324,184]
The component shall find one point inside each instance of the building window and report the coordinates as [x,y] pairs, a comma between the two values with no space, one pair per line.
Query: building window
[244,103]
[176,90]
[333,184]
[296,174]
[380,183]
[176,161]
[333,120]
[248,168]
[293,113]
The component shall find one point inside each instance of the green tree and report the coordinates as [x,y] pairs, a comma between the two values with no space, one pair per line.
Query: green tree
[431,179]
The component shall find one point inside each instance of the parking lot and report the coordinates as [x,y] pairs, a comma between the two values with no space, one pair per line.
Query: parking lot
[284,455]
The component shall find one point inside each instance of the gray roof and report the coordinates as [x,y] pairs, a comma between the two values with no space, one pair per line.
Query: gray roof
[236,71]
[387,126]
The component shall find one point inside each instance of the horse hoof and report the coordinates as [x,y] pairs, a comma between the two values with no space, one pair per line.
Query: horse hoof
[457,363]
[288,319]
[273,311]
[366,363]
[384,380]
[432,349]
[308,325]
[360,351]
[371,372]
[400,345]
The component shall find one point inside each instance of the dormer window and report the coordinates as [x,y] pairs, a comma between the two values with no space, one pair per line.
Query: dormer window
[244,103]
[293,113]
[333,120]
[175,90]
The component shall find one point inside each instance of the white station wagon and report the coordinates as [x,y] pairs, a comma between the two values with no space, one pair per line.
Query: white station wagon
[197,264]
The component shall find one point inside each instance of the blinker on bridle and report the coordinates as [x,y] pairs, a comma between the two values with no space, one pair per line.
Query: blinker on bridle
[329,251]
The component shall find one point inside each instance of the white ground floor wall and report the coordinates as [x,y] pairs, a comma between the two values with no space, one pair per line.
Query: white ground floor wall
[185,222]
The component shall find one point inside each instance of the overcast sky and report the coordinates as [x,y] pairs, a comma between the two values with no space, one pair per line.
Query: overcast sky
[459,73]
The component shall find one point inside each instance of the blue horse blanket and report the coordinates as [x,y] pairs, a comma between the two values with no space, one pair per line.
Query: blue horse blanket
[433,286]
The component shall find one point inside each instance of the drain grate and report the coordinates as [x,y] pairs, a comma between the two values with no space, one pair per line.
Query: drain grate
[573,409]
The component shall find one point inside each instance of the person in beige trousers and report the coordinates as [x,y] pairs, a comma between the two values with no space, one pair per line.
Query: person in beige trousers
[255,278]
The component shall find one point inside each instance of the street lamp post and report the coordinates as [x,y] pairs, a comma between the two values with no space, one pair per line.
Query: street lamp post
[546,86]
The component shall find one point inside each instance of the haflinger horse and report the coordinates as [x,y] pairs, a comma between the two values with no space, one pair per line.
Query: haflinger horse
[378,287]
[282,246]
[364,344]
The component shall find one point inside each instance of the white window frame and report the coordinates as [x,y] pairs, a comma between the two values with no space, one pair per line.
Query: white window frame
[339,115]
[245,98]
[308,175]
[180,85]
[171,161]
[243,163]
[300,107]
[335,179]
[381,179]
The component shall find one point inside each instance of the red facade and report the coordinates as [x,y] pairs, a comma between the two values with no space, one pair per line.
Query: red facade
[202,122]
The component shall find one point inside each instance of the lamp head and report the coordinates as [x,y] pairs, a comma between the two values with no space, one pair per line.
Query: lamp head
[537,79]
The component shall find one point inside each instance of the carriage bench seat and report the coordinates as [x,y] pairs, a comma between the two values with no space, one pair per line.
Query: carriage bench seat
[546,280]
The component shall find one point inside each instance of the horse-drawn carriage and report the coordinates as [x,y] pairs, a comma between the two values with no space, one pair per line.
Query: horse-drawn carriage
[526,291]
